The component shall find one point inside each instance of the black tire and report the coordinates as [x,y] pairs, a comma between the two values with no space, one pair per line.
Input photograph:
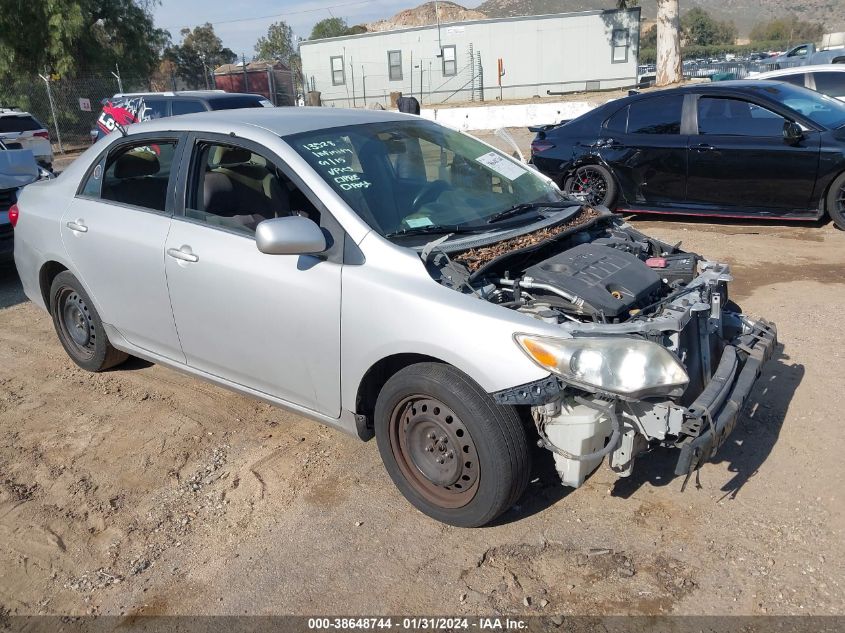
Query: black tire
[835,203]
[428,411]
[79,327]
[594,184]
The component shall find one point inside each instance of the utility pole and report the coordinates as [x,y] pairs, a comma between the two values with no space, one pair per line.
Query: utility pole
[246,76]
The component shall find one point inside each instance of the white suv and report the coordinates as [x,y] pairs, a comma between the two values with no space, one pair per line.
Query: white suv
[23,128]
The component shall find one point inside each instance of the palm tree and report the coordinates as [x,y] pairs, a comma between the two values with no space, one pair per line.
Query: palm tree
[668,40]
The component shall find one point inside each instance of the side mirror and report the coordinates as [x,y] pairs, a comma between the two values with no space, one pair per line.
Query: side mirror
[792,132]
[292,235]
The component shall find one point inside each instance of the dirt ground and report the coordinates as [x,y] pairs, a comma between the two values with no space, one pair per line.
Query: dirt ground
[143,491]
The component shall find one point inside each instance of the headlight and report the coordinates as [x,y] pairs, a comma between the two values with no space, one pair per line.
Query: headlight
[626,366]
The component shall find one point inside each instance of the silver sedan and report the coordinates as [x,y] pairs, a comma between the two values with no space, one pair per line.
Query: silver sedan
[395,278]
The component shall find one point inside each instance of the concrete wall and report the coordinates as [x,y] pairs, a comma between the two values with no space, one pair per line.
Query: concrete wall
[565,52]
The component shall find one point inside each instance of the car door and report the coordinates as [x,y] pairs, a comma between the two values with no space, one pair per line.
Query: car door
[646,150]
[114,231]
[270,323]
[739,158]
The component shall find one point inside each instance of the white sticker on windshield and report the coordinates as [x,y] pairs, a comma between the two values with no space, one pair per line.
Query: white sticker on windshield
[501,165]
[417,222]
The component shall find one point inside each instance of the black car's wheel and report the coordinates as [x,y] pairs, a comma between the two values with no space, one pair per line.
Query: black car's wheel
[592,184]
[79,327]
[453,453]
[836,202]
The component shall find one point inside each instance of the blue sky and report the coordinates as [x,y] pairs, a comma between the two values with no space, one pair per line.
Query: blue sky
[240,24]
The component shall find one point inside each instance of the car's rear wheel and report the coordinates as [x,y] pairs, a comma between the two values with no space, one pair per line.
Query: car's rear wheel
[836,202]
[454,454]
[592,184]
[79,327]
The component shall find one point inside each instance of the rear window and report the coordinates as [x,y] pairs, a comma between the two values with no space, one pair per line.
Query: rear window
[235,103]
[15,123]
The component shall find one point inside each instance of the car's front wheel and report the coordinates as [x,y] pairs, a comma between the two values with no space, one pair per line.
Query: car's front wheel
[453,453]
[79,326]
[592,184]
[836,202]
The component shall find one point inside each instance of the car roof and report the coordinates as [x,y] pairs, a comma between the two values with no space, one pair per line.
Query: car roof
[280,121]
[815,68]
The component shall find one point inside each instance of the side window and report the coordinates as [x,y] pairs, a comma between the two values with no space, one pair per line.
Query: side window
[830,83]
[236,189]
[450,61]
[619,53]
[618,122]
[91,187]
[796,79]
[338,73]
[658,115]
[137,174]
[394,65]
[155,108]
[179,106]
[733,117]
[798,52]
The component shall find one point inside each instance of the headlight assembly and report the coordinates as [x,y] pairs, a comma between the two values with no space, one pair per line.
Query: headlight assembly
[627,366]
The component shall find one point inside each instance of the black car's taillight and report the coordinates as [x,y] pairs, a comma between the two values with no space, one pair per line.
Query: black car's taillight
[540,145]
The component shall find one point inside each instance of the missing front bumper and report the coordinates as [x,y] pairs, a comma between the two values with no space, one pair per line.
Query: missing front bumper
[713,416]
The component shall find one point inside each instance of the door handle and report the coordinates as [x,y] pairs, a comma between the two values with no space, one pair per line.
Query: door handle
[78,226]
[183,255]
[703,147]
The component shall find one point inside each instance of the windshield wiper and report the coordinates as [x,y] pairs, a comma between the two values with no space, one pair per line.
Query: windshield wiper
[519,209]
[435,228]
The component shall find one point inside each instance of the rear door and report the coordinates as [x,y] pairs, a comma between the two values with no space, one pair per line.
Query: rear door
[739,159]
[114,231]
[646,150]
[268,322]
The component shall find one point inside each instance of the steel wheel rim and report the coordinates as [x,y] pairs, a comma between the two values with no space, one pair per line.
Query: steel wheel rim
[75,322]
[588,185]
[434,451]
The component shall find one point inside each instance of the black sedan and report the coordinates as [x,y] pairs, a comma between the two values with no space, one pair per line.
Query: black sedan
[761,149]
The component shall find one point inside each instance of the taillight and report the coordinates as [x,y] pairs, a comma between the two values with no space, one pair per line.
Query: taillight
[540,145]
[44,134]
[14,214]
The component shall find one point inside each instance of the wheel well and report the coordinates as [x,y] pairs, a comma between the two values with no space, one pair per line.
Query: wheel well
[377,376]
[45,279]
[826,193]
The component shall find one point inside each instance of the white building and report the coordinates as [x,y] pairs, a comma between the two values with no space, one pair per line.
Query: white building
[460,61]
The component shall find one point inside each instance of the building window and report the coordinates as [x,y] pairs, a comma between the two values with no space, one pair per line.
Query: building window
[394,65]
[338,74]
[450,64]
[619,45]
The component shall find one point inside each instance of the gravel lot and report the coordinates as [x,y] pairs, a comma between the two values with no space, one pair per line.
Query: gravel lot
[143,491]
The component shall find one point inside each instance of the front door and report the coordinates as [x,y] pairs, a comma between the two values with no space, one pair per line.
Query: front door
[268,322]
[739,159]
[114,231]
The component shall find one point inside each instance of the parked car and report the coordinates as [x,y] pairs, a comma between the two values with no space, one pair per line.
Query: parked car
[828,79]
[807,54]
[761,149]
[18,168]
[21,128]
[386,275]
[127,108]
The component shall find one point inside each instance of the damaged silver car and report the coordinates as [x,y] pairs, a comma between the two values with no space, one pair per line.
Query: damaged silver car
[395,278]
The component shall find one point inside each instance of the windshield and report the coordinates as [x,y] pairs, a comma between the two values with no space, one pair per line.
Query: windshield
[409,175]
[817,107]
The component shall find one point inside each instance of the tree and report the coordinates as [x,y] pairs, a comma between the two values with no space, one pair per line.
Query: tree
[65,36]
[786,29]
[668,40]
[330,27]
[700,29]
[278,45]
[200,52]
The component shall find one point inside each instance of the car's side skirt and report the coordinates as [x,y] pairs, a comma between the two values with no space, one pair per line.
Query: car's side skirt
[810,215]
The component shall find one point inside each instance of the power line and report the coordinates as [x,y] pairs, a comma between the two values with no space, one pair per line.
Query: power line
[287,13]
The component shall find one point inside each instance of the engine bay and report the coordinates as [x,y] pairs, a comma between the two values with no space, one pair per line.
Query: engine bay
[591,268]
